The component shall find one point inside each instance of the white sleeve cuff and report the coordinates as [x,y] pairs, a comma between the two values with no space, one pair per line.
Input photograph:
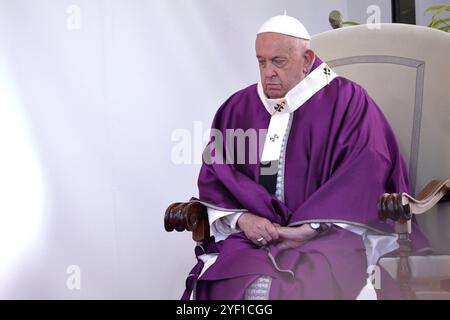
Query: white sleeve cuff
[223,223]
[231,221]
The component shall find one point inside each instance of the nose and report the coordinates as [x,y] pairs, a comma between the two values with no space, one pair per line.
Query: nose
[269,72]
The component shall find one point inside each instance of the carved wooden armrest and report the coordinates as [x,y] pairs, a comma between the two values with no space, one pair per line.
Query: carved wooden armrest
[401,206]
[190,216]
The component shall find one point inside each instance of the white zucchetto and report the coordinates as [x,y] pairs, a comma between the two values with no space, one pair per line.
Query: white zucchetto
[285,25]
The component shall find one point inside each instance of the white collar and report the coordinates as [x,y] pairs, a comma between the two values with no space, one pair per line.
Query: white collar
[298,95]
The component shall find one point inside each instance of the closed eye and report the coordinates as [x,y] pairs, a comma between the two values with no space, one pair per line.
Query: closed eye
[278,62]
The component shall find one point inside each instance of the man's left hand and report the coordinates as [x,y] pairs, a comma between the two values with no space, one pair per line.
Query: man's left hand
[292,237]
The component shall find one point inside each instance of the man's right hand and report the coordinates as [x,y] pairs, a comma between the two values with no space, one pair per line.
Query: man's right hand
[257,229]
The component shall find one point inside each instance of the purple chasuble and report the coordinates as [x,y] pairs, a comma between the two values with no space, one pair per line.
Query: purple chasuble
[341,156]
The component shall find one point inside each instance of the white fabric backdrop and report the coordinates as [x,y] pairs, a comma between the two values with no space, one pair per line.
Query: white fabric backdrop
[86,122]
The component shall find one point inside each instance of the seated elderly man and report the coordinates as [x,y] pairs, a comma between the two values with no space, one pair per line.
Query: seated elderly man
[299,222]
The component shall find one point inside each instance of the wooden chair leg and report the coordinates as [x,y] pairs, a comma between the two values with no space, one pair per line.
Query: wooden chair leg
[404,269]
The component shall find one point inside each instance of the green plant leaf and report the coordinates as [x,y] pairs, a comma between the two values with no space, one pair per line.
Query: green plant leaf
[442,21]
[438,8]
[434,18]
[436,21]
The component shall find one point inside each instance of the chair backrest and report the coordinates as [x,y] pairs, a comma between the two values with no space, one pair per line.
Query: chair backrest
[406,70]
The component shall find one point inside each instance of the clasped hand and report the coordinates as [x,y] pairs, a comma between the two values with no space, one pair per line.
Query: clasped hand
[262,231]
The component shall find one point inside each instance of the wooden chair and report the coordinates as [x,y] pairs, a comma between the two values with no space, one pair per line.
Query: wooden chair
[406,70]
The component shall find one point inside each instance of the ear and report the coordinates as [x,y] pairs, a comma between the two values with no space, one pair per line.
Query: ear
[309,58]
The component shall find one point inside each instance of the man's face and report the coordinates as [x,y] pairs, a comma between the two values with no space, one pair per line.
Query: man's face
[281,63]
